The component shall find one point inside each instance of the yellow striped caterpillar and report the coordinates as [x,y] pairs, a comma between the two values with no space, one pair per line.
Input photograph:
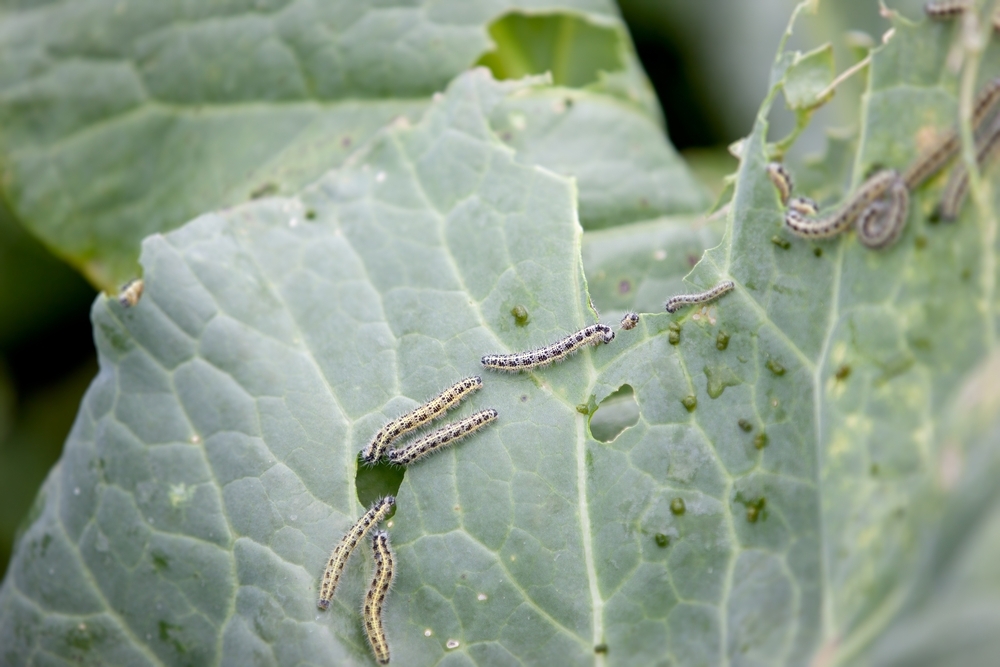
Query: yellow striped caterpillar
[130,293]
[836,222]
[958,183]
[675,303]
[557,351]
[441,438]
[946,148]
[781,179]
[414,419]
[338,559]
[881,223]
[377,592]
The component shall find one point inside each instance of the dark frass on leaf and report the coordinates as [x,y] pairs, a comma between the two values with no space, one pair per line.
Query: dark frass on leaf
[689,402]
[674,337]
[722,341]
[754,508]
[677,506]
[662,540]
[775,367]
[784,244]
[745,425]
[843,372]
[520,314]
[760,441]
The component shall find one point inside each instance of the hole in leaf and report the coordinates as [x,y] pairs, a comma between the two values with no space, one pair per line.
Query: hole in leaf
[574,50]
[615,413]
[374,482]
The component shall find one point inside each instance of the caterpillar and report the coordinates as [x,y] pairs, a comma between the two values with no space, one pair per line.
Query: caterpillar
[441,438]
[803,205]
[543,356]
[130,293]
[338,559]
[836,222]
[377,592]
[958,183]
[944,9]
[881,223]
[674,303]
[629,320]
[948,9]
[414,419]
[781,179]
[939,154]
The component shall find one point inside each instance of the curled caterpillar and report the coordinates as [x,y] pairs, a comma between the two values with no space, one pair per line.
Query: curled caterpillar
[881,223]
[839,220]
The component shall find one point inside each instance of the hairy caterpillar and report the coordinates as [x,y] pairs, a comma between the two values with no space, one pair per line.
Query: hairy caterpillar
[803,205]
[836,222]
[130,293]
[938,155]
[543,356]
[881,223]
[441,438]
[958,183]
[338,559]
[781,179]
[414,419]
[375,598]
[676,302]
[629,320]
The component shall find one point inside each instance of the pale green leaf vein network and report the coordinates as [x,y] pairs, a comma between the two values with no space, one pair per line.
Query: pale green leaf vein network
[580,450]
[231,605]
[109,608]
[581,440]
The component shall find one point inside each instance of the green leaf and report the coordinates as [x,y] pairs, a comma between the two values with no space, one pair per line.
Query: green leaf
[808,77]
[636,267]
[951,614]
[767,505]
[123,120]
[624,169]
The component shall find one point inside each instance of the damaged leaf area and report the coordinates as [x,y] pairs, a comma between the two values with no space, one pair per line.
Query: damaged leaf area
[761,479]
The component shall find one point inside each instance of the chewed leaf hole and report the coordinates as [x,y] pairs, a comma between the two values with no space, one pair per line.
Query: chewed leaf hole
[374,482]
[574,50]
[615,413]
